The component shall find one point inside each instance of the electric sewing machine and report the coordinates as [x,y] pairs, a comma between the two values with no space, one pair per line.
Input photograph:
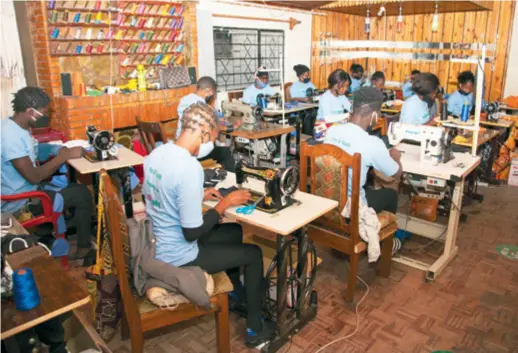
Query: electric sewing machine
[435,141]
[280,185]
[269,102]
[314,94]
[493,111]
[250,114]
[103,143]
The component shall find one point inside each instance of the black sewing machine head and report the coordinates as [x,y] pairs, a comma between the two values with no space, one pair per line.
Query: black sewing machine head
[264,100]
[388,95]
[103,143]
[280,185]
[313,94]
[492,110]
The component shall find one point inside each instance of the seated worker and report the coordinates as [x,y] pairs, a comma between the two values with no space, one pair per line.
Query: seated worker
[259,86]
[356,77]
[298,91]
[21,173]
[407,86]
[205,92]
[185,236]
[334,101]
[463,95]
[378,80]
[417,109]
[353,138]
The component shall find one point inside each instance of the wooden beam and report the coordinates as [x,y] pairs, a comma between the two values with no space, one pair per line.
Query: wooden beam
[292,21]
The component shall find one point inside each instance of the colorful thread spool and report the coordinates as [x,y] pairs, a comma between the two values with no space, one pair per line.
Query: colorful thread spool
[25,291]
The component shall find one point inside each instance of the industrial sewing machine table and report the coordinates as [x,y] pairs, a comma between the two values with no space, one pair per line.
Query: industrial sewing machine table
[289,222]
[455,171]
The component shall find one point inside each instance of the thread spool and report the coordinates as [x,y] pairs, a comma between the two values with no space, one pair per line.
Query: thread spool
[25,291]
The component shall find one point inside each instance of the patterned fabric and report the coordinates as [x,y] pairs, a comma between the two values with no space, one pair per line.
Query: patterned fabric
[328,183]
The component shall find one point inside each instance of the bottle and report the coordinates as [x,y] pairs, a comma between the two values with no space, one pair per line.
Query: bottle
[464,115]
[141,78]
[444,111]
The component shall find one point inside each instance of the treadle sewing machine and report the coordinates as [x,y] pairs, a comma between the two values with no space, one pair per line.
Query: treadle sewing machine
[250,115]
[280,185]
[103,143]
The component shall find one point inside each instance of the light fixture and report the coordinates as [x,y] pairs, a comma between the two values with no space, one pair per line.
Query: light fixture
[368,22]
[435,20]
[399,23]
[381,11]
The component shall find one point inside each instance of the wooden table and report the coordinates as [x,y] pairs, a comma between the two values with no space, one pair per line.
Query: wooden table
[300,107]
[454,171]
[125,159]
[483,137]
[285,224]
[258,131]
[59,293]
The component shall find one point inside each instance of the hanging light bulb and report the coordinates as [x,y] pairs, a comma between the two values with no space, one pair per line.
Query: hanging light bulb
[435,20]
[399,23]
[368,22]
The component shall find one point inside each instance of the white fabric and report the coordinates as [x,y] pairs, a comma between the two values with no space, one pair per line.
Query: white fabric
[369,227]
[12,76]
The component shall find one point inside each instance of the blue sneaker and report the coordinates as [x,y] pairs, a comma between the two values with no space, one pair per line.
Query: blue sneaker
[254,339]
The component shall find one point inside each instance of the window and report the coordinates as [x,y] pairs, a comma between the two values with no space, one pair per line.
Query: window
[239,52]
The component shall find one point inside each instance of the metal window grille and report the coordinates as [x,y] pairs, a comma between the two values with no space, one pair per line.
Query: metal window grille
[240,51]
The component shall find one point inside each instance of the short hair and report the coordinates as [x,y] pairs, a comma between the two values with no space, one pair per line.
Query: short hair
[30,97]
[378,75]
[199,116]
[356,68]
[338,76]
[465,77]
[415,72]
[425,84]
[367,100]
[206,82]
[262,72]
[300,69]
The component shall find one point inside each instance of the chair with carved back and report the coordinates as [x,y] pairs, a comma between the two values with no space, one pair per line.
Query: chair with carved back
[150,133]
[140,315]
[330,169]
[287,94]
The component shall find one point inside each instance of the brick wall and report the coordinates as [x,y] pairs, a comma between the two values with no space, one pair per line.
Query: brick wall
[72,114]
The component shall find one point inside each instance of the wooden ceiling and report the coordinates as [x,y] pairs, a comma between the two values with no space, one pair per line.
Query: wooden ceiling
[299,4]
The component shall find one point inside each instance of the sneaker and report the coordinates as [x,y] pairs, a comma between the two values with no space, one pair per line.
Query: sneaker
[254,339]
[396,246]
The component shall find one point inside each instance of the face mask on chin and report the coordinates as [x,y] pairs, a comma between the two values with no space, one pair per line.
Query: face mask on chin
[464,93]
[205,149]
[260,84]
[41,116]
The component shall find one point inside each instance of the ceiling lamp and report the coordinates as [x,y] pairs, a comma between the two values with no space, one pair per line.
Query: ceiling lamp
[399,23]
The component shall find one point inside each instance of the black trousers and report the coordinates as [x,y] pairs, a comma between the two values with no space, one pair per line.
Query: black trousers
[223,156]
[222,249]
[382,199]
[78,198]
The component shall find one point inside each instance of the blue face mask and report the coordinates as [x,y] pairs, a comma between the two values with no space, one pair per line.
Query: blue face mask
[205,149]
[261,84]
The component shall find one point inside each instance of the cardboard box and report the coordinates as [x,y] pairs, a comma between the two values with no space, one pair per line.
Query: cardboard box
[513,173]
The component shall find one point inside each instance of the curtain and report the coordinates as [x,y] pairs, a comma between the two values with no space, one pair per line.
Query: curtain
[12,76]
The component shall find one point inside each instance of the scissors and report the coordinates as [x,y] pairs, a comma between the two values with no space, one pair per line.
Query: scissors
[247,210]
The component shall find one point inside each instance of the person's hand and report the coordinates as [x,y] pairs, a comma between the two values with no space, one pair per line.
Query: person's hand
[395,154]
[238,198]
[71,153]
[211,194]
[306,100]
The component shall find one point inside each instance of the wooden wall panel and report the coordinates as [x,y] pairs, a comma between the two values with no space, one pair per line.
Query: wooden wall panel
[468,27]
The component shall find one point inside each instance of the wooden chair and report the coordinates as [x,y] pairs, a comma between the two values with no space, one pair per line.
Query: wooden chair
[287,94]
[140,315]
[330,169]
[150,133]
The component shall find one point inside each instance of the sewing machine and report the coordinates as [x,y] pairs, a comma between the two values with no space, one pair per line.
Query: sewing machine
[280,185]
[389,95]
[493,111]
[103,143]
[269,102]
[314,94]
[435,141]
[250,114]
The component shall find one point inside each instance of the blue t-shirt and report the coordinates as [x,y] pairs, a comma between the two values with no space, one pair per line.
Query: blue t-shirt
[299,89]
[16,143]
[353,139]
[415,111]
[456,100]
[329,104]
[173,190]
[355,84]
[185,103]
[251,92]
[407,90]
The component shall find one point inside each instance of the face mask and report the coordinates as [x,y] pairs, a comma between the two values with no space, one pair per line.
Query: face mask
[37,112]
[306,80]
[429,100]
[464,93]
[374,119]
[261,84]
[208,99]
[205,149]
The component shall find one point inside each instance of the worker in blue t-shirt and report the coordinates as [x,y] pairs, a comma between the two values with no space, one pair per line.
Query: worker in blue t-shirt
[417,109]
[260,86]
[356,72]
[334,101]
[407,86]
[463,95]
[299,89]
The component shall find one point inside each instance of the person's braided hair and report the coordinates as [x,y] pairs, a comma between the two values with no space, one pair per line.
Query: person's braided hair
[199,116]
[29,97]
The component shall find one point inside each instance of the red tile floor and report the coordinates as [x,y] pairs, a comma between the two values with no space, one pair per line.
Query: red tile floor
[472,307]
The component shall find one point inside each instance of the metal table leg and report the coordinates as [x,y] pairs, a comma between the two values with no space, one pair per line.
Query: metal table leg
[284,150]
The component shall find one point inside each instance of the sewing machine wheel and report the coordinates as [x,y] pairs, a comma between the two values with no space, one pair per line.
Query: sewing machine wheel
[103,141]
[289,181]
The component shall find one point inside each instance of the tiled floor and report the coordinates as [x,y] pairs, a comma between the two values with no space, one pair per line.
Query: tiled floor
[472,307]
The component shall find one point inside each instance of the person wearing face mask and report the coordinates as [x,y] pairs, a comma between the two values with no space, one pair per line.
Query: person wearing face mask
[353,138]
[298,91]
[334,101]
[417,109]
[185,236]
[463,95]
[260,86]
[356,77]
[407,86]
[21,173]
[205,92]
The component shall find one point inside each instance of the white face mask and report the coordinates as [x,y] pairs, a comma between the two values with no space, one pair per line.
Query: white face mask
[205,149]
[37,112]
[375,118]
